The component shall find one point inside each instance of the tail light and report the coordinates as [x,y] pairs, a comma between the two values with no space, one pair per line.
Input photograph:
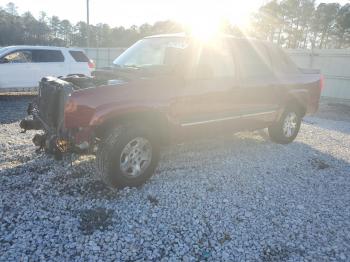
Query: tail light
[91,64]
[321,82]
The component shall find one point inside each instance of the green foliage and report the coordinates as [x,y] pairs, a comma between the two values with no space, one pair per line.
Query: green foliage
[22,29]
[300,24]
[290,23]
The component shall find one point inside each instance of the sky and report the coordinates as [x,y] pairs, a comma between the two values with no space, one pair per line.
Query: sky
[130,12]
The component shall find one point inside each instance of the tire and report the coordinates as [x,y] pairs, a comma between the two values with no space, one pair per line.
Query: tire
[113,157]
[287,128]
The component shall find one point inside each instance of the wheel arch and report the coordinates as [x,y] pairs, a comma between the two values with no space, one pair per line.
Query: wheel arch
[146,118]
[298,99]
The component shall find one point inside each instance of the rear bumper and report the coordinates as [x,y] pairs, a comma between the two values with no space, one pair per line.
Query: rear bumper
[313,101]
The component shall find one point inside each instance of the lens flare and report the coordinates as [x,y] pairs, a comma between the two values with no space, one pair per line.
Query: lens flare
[205,20]
[202,30]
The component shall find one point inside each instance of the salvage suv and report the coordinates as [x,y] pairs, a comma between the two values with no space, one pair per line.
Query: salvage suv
[166,89]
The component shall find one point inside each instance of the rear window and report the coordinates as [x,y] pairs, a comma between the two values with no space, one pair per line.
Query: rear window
[254,59]
[47,56]
[79,56]
[219,59]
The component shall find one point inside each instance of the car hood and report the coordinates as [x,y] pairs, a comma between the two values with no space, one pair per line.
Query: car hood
[90,106]
[117,90]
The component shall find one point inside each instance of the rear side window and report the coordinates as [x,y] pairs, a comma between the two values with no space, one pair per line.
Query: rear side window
[79,56]
[219,59]
[281,61]
[253,58]
[47,56]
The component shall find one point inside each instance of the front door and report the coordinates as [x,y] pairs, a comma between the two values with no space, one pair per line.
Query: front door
[51,63]
[17,70]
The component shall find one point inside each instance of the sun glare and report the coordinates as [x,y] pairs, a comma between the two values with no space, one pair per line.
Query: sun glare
[206,19]
[203,29]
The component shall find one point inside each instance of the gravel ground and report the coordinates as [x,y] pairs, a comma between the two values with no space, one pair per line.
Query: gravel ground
[13,108]
[230,199]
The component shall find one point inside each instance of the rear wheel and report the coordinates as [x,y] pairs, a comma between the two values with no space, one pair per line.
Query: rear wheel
[287,128]
[128,157]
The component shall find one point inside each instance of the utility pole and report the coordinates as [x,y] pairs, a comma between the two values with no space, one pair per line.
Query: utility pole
[88,22]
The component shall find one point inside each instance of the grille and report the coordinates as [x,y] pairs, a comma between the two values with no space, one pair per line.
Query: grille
[52,96]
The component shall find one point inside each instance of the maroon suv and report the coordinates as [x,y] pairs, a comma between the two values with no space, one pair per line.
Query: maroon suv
[169,88]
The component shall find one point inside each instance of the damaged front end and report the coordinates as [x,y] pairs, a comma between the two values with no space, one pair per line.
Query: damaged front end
[46,113]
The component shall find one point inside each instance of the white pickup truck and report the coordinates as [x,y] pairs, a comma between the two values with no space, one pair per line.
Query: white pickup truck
[22,67]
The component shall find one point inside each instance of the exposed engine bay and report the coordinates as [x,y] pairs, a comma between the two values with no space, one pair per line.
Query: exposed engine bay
[46,112]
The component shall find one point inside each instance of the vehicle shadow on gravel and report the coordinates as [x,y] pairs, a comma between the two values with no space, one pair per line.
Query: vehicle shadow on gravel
[72,179]
[80,179]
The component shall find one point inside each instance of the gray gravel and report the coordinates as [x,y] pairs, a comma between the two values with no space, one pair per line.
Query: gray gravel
[13,108]
[334,109]
[230,199]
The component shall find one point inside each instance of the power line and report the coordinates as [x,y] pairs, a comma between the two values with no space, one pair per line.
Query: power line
[88,22]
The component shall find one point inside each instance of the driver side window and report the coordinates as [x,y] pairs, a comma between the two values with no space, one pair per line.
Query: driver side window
[17,57]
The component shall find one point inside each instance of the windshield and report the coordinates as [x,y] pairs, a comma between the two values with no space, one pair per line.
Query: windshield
[153,52]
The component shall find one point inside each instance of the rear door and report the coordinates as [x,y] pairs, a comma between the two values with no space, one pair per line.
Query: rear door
[259,92]
[17,70]
[50,61]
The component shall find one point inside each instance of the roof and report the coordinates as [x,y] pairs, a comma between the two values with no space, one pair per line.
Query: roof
[183,34]
[39,47]
[168,35]
[189,35]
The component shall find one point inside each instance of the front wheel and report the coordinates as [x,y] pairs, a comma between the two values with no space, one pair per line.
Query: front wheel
[128,157]
[287,128]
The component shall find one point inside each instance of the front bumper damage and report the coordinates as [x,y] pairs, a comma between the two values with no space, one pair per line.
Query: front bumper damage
[46,113]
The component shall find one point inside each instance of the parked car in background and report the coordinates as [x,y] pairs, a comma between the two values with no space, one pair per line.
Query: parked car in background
[171,88]
[22,67]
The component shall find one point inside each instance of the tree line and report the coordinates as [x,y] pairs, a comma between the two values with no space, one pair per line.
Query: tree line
[289,23]
[302,24]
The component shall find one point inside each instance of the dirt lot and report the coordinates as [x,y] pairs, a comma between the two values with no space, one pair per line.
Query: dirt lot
[229,199]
